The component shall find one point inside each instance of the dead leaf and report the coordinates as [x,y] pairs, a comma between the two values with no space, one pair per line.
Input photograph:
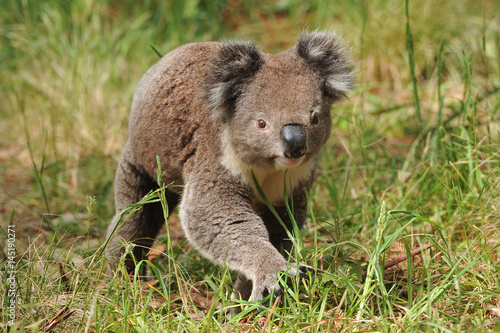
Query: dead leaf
[156,252]
[495,312]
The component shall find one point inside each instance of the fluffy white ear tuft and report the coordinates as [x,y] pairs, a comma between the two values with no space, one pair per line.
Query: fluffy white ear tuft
[327,54]
[343,83]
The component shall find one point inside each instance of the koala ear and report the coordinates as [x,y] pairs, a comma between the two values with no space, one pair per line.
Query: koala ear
[328,56]
[234,64]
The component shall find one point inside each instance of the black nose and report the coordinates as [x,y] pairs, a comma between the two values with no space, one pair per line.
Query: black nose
[294,138]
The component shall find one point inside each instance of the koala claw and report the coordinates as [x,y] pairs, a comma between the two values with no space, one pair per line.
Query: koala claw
[269,283]
[263,287]
[303,269]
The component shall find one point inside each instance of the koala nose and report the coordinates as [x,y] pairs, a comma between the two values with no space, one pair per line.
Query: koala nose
[294,138]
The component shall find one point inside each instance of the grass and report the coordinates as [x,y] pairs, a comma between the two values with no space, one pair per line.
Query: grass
[413,162]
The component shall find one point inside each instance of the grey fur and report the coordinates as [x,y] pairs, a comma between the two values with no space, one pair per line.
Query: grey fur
[214,113]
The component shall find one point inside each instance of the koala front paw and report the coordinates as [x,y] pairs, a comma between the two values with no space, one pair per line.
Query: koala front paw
[266,284]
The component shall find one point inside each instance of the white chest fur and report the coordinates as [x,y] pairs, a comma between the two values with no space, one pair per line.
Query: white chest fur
[271,180]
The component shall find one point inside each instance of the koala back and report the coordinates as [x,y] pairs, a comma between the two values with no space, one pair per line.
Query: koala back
[170,116]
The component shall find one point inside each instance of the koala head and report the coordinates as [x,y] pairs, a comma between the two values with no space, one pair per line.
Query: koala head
[276,108]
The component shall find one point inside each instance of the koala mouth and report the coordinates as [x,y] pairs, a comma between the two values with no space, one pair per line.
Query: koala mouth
[287,163]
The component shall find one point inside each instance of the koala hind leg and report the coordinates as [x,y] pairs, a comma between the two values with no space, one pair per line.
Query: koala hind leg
[142,227]
[277,234]
[242,288]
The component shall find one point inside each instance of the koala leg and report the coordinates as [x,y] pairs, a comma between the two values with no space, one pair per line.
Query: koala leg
[221,224]
[277,234]
[242,288]
[142,227]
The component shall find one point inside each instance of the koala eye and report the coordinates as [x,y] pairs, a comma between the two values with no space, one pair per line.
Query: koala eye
[261,123]
[315,118]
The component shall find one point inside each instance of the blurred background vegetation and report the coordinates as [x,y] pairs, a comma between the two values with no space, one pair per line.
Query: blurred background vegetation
[421,131]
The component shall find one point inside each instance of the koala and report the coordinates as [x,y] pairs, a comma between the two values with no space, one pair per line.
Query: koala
[219,116]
